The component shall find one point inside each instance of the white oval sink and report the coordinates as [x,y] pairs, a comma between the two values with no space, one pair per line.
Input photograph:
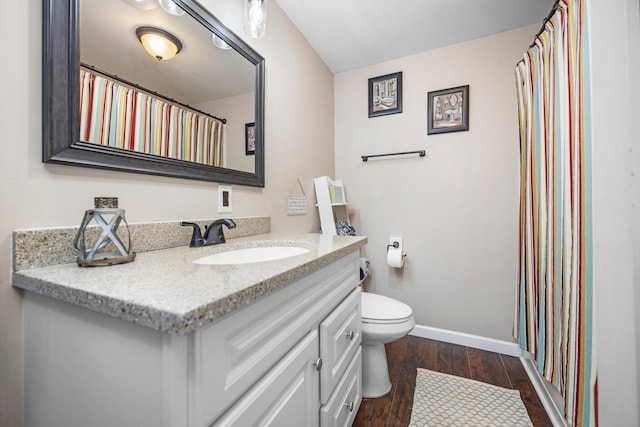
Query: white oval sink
[249,255]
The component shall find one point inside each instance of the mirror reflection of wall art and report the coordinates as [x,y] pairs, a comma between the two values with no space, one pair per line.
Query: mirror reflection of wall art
[250,138]
[448,110]
[385,95]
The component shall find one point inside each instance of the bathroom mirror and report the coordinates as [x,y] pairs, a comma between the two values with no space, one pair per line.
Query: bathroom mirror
[201,84]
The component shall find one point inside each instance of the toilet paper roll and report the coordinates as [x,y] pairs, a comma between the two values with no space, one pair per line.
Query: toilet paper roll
[395,258]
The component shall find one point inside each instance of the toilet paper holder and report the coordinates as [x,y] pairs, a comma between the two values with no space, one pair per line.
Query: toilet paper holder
[395,243]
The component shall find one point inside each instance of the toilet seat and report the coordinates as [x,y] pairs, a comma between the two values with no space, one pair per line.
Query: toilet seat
[383,310]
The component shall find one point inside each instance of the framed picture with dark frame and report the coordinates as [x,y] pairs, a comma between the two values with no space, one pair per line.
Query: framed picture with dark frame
[250,138]
[385,95]
[448,110]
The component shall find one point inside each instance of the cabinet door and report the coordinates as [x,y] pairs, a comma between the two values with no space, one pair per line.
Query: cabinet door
[341,409]
[288,395]
[340,337]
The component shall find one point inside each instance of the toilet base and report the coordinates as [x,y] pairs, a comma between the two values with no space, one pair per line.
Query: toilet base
[375,372]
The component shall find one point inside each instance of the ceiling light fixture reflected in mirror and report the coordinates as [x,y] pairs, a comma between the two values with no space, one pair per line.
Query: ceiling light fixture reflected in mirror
[220,43]
[158,43]
[255,18]
[170,7]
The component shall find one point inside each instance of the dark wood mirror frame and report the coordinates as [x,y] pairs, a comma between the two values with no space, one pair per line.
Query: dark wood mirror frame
[60,104]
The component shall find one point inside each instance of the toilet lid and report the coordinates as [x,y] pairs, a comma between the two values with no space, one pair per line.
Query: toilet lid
[378,308]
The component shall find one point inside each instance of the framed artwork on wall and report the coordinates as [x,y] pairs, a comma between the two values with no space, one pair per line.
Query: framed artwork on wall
[448,110]
[385,95]
[250,138]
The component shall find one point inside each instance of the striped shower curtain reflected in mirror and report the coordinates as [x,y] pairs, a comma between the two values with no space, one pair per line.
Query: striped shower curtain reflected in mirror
[118,116]
[554,310]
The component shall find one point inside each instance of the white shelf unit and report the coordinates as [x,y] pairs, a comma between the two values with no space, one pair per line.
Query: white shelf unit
[330,211]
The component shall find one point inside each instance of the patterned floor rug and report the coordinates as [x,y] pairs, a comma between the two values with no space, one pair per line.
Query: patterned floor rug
[447,400]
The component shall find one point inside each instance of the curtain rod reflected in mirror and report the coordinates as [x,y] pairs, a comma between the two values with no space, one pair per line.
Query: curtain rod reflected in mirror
[144,89]
[62,41]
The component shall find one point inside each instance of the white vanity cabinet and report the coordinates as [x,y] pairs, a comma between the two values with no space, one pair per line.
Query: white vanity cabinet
[291,358]
[281,358]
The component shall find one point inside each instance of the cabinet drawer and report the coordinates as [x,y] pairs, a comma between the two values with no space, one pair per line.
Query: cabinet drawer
[286,396]
[231,355]
[340,337]
[343,405]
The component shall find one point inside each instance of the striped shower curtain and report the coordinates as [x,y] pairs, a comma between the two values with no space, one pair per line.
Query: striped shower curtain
[119,116]
[554,311]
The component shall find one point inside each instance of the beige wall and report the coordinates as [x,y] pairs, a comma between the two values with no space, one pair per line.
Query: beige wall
[238,110]
[457,209]
[299,140]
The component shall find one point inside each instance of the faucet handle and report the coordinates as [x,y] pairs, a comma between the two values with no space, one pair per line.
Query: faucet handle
[196,237]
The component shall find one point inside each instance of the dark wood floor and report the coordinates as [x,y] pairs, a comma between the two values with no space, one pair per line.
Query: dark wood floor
[409,353]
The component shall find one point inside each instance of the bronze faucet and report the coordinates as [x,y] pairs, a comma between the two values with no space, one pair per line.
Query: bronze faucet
[213,233]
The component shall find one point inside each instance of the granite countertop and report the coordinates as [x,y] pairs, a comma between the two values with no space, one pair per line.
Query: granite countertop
[164,290]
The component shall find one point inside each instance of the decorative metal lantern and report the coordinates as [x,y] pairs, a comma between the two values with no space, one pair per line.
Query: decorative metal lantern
[103,245]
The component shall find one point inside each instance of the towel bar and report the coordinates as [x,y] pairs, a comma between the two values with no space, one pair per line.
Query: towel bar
[421,153]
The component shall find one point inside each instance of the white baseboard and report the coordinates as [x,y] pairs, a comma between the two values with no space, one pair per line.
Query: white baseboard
[468,340]
[547,400]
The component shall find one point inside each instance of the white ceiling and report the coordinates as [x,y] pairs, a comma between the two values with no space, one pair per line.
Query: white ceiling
[349,34]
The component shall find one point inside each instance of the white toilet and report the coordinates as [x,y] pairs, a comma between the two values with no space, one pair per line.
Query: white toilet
[384,320]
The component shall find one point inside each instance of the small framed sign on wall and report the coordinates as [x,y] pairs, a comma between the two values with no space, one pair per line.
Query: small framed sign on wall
[448,110]
[297,203]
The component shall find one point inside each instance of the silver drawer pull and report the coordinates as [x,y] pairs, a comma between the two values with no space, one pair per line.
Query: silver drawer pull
[350,406]
[318,364]
[350,335]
